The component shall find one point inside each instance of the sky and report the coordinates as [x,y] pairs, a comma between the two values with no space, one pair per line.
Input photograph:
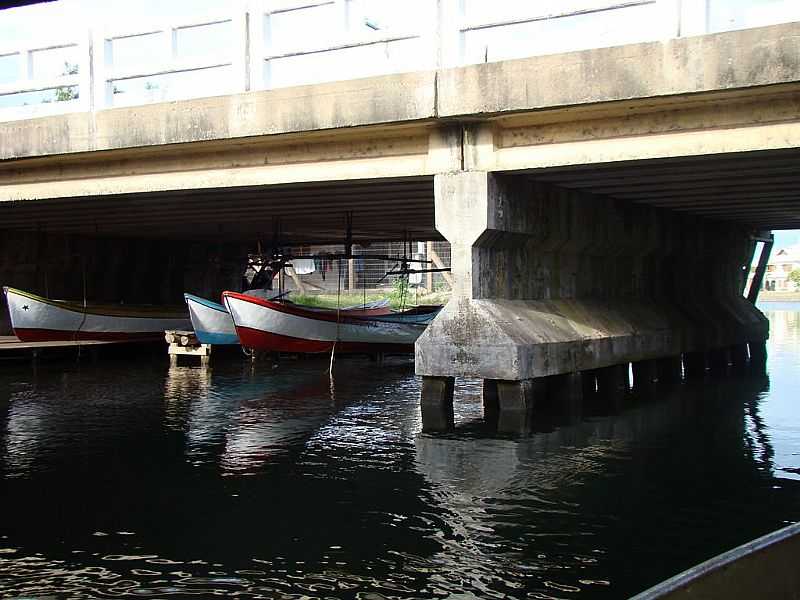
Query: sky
[786,238]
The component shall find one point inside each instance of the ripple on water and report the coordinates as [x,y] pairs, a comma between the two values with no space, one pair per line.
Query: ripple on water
[124,480]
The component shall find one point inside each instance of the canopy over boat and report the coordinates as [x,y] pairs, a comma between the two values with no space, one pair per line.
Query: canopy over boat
[273,326]
[36,319]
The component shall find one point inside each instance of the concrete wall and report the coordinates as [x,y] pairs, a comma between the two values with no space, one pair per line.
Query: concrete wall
[116,270]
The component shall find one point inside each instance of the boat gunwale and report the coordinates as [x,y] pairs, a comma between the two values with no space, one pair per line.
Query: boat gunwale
[204,302]
[132,311]
[716,566]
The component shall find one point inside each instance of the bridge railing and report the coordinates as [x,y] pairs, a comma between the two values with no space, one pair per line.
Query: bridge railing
[266,44]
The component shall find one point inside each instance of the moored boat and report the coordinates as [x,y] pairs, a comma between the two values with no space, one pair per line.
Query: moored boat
[278,327]
[212,322]
[36,319]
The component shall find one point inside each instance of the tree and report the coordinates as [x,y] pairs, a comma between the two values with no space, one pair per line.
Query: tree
[794,277]
[64,93]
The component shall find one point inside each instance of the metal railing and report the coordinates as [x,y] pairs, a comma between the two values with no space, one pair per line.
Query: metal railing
[265,44]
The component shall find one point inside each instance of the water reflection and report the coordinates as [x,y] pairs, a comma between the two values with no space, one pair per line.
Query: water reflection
[143,480]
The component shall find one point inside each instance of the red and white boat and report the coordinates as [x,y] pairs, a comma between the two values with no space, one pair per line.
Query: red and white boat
[278,327]
[38,319]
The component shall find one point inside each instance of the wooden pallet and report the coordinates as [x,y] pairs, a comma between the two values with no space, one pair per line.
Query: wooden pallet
[185,343]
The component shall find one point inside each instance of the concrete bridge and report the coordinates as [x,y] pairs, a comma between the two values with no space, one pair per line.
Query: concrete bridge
[602,205]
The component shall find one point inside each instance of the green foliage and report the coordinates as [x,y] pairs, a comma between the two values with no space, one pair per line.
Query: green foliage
[64,94]
[794,277]
[399,293]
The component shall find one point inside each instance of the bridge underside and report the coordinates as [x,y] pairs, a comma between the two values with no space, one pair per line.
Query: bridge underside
[599,219]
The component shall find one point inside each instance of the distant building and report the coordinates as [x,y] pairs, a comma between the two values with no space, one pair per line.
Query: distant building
[780,264]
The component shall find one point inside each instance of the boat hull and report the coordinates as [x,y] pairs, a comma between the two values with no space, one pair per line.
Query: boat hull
[212,322]
[37,319]
[271,326]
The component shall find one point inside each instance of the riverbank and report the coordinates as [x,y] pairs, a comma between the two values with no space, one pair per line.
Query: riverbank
[765,296]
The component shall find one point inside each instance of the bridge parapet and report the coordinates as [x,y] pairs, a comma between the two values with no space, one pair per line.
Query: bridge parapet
[253,45]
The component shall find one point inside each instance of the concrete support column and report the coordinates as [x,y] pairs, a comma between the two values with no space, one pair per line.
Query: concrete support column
[758,356]
[565,395]
[612,386]
[694,365]
[718,360]
[645,375]
[670,370]
[436,402]
[491,402]
[549,281]
[516,400]
[739,357]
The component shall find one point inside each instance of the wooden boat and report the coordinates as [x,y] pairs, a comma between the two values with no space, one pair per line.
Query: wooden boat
[277,327]
[768,567]
[212,322]
[37,319]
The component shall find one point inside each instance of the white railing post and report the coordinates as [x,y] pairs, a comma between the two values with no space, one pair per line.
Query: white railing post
[256,49]
[103,61]
[240,25]
[86,72]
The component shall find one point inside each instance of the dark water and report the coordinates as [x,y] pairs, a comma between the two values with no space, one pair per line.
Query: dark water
[130,479]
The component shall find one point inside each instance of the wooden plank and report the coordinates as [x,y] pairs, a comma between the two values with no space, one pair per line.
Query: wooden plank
[437,261]
[429,276]
[14,344]
[296,278]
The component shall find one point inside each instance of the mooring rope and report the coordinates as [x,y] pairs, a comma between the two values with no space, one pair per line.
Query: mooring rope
[338,313]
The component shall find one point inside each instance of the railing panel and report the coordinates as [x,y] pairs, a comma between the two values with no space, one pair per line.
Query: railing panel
[181,85]
[212,41]
[10,68]
[636,22]
[136,51]
[347,63]
[195,48]
[726,15]
[54,62]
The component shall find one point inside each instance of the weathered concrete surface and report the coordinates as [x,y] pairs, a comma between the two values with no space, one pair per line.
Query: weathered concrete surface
[379,100]
[550,281]
[723,61]
[736,60]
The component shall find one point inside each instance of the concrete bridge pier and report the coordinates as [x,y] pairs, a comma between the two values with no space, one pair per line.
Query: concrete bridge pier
[550,282]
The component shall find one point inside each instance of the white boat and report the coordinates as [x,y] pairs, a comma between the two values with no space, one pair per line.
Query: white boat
[37,319]
[278,327]
[212,322]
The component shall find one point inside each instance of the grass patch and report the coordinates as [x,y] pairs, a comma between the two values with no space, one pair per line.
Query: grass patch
[348,299]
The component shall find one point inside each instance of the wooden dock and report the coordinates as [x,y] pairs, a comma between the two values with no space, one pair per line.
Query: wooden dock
[12,347]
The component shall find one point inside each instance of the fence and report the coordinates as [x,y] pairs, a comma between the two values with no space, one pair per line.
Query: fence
[265,44]
[365,274]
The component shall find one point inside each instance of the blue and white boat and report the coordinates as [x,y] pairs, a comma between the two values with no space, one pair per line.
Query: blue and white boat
[213,324]
[211,321]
